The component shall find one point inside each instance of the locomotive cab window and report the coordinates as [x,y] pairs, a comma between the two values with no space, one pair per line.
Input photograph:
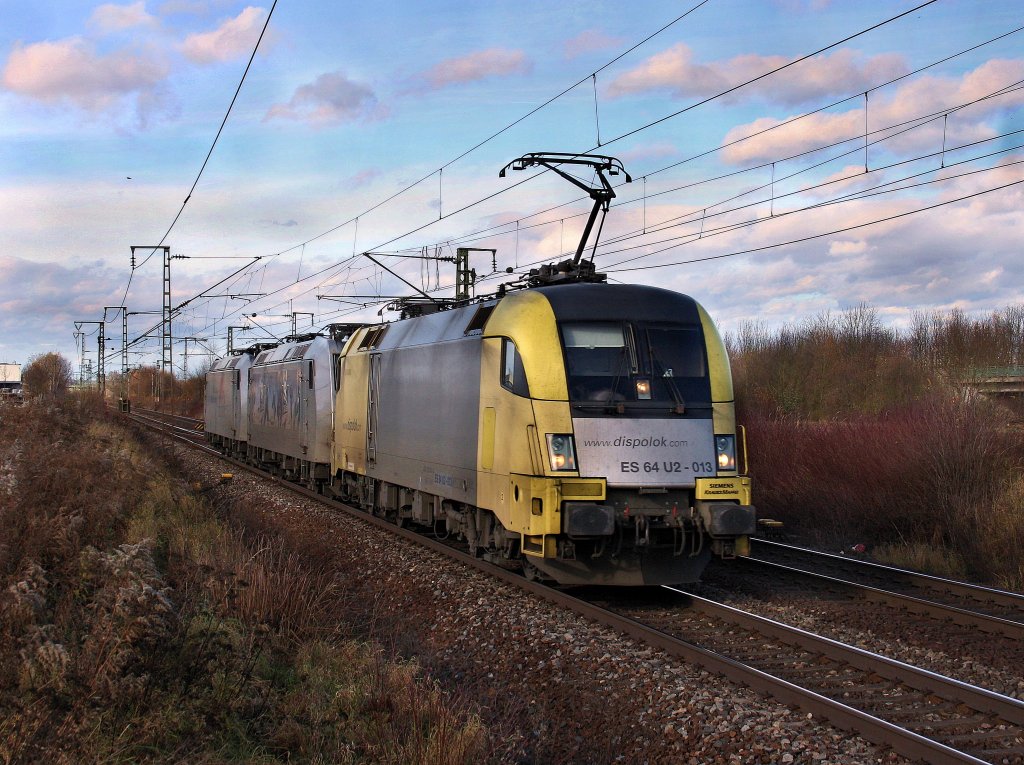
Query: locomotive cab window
[600,359]
[622,362]
[513,375]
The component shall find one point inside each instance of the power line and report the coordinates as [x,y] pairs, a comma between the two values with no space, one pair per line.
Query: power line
[790,121]
[824,234]
[213,145]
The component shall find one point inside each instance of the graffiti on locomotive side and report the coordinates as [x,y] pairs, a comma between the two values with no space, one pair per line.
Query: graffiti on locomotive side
[275,397]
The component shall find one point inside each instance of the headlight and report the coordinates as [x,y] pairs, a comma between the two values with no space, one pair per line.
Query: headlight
[561,451]
[725,449]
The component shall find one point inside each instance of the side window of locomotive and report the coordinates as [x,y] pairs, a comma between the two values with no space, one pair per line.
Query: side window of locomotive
[513,375]
[600,360]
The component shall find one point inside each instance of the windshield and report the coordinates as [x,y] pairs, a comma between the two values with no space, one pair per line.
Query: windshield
[624,362]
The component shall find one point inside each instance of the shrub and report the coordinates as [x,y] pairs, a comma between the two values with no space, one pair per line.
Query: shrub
[859,434]
[136,627]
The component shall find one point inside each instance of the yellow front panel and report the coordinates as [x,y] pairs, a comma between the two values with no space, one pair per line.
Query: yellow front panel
[549,521]
[350,412]
[527,318]
[718,362]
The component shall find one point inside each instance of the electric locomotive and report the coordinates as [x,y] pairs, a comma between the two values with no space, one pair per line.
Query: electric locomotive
[225,409]
[583,431]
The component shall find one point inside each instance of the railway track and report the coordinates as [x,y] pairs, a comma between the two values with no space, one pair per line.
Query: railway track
[920,714]
[981,725]
[984,608]
[188,428]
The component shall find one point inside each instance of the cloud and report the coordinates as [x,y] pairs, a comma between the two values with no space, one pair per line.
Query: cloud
[588,41]
[675,69]
[41,300]
[72,70]
[959,254]
[111,17]
[191,7]
[330,99]
[232,39]
[912,100]
[286,223]
[363,178]
[847,247]
[493,62]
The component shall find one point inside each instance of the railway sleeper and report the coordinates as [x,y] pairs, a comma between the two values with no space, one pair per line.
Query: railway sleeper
[995,734]
[953,722]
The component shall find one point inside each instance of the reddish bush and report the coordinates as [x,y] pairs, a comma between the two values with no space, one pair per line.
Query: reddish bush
[919,475]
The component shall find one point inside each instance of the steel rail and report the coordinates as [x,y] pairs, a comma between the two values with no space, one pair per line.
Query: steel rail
[197,423]
[980,699]
[955,614]
[192,434]
[977,592]
[872,728]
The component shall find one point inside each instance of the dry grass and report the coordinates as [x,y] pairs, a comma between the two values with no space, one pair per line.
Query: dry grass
[136,627]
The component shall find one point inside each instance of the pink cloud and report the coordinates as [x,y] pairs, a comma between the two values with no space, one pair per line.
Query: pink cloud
[364,177]
[111,17]
[588,41]
[912,100]
[72,70]
[672,69]
[676,70]
[331,98]
[232,39]
[847,247]
[493,62]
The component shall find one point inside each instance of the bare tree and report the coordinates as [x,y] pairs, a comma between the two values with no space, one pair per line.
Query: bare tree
[48,374]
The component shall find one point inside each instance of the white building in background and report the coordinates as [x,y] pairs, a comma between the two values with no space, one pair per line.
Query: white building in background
[10,379]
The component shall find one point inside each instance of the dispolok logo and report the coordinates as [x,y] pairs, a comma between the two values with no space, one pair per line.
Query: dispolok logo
[650,442]
[651,452]
[350,425]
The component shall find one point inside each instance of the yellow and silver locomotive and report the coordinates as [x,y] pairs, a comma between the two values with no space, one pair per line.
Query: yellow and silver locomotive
[584,431]
[580,430]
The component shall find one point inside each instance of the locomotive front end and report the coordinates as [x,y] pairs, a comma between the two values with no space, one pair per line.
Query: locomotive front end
[650,400]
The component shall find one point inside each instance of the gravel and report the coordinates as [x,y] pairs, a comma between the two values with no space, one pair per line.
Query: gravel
[986,660]
[552,686]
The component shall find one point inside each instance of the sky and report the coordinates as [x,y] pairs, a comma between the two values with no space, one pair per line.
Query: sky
[788,158]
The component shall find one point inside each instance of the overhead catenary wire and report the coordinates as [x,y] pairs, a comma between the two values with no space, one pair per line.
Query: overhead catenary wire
[886,134]
[209,153]
[832,232]
[382,245]
[450,162]
[334,267]
[763,131]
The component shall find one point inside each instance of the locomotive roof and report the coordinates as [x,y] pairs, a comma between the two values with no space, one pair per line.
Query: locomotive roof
[619,302]
[315,345]
[569,302]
